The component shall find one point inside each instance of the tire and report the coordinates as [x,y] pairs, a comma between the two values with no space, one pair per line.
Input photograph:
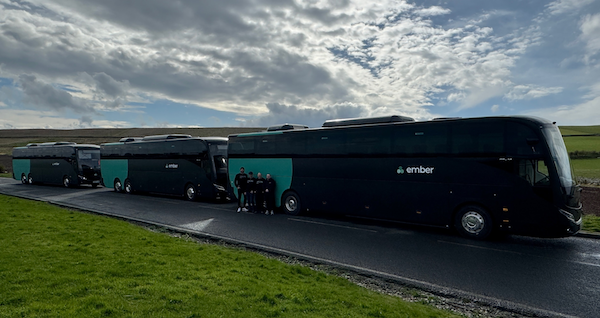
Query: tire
[190,193]
[473,222]
[128,187]
[30,179]
[24,179]
[118,186]
[290,202]
[66,182]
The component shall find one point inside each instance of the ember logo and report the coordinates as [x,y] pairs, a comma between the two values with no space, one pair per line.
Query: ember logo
[171,166]
[417,170]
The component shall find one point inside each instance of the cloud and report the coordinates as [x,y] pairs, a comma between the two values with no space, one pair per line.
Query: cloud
[495,108]
[281,114]
[528,92]
[586,113]
[590,33]
[566,6]
[432,11]
[45,96]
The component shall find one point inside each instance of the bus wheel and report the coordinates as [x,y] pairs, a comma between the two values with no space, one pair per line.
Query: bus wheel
[24,179]
[473,222]
[30,179]
[118,186]
[66,182]
[291,203]
[190,192]
[128,187]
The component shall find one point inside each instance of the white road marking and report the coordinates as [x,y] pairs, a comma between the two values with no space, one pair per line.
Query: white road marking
[334,225]
[198,226]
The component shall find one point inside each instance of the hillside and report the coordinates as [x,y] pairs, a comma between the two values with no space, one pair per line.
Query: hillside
[10,138]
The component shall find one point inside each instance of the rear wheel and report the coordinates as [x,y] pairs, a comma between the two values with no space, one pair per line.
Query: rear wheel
[118,186]
[67,182]
[128,187]
[291,203]
[190,192]
[24,179]
[473,222]
[30,179]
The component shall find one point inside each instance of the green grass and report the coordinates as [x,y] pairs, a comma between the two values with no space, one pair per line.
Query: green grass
[588,168]
[591,223]
[5,175]
[579,130]
[587,143]
[62,263]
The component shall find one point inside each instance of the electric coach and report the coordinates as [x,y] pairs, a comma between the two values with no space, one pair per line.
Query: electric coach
[478,175]
[169,164]
[65,163]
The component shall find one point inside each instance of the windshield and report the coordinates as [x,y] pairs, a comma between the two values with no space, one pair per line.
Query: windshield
[88,159]
[560,157]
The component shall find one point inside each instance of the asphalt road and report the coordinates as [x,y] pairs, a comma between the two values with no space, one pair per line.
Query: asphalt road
[553,277]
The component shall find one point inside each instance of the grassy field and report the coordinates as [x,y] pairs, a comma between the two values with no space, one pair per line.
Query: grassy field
[579,130]
[591,223]
[61,263]
[588,168]
[586,143]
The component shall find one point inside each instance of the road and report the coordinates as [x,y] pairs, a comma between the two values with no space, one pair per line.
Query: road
[552,277]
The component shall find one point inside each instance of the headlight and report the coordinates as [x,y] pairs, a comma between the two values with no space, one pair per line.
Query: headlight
[82,178]
[570,216]
[219,187]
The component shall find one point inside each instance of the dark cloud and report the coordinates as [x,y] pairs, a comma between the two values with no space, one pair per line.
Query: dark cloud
[110,86]
[45,96]
[281,114]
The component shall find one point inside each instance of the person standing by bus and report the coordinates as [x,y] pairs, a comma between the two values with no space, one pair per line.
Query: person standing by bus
[251,188]
[241,185]
[260,193]
[270,194]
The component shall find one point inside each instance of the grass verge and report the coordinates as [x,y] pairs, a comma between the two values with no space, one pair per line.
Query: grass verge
[62,263]
[5,175]
[591,223]
[588,168]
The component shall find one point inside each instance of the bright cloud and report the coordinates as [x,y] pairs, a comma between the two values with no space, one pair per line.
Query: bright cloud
[267,62]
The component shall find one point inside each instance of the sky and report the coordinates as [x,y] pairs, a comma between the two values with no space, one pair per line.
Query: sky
[68,64]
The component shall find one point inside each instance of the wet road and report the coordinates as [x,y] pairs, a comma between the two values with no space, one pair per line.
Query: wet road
[554,277]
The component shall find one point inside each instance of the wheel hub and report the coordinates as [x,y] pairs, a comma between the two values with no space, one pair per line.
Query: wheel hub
[473,222]
[291,204]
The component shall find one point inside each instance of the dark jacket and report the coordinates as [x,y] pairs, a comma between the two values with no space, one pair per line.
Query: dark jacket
[241,181]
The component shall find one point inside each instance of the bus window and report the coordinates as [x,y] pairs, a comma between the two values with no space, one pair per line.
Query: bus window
[88,158]
[535,172]
[521,140]
[368,141]
[326,142]
[478,138]
[421,140]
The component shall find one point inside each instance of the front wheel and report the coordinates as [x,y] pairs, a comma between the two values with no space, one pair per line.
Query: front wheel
[128,187]
[190,192]
[473,222]
[30,179]
[291,203]
[118,186]
[67,182]
[24,179]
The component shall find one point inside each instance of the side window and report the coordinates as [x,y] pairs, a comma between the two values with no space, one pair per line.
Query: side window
[522,140]
[241,145]
[535,172]
[421,139]
[478,138]
[292,143]
[368,141]
[267,145]
[326,142]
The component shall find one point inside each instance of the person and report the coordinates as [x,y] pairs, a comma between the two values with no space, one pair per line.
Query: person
[251,188]
[270,194]
[240,184]
[260,193]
